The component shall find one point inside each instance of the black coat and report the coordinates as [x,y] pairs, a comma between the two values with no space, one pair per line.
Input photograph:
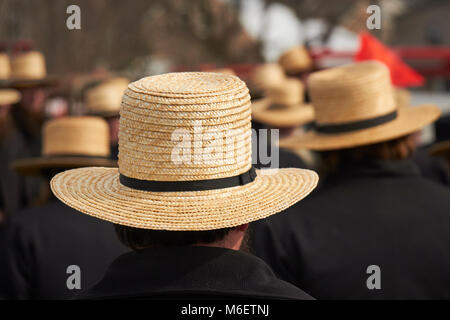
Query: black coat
[381,213]
[16,191]
[193,272]
[42,242]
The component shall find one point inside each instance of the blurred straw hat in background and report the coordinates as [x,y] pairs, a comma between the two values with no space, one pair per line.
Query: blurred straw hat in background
[9,96]
[265,77]
[105,99]
[5,66]
[295,60]
[70,142]
[28,69]
[283,106]
[354,106]
[153,190]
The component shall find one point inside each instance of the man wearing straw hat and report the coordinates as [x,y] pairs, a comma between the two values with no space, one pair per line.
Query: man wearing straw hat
[284,110]
[52,251]
[14,191]
[375,229]
[185,192]
[22,134]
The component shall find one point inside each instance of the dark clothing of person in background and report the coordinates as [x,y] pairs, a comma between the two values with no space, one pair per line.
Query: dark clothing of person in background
[433,168]
[16,192]
[191,272]
[43,242]
[380,213]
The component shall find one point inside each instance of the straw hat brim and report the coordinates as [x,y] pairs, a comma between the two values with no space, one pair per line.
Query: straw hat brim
[98,193]
[35,166]
[408,121]
[30,83]
[281,118]
[440,149]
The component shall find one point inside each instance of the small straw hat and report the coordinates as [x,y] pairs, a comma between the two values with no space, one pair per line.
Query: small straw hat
[5,66]
[266,76]
[105,99]
[295,60]
[28,69]
[70,142]
[284,106]
[354,106]
[184,160]
[9,96]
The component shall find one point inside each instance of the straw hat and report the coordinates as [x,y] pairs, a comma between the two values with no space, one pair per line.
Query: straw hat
[105,99]
[70,142]
[9,96]
[354,106]
[402,97]
[156,189]
[284,106]
[5,66]
[267,76]
[295,60]
[28,69]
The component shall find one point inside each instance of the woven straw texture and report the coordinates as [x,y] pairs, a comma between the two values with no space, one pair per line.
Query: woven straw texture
[151,106]
[71,142]
[357,92]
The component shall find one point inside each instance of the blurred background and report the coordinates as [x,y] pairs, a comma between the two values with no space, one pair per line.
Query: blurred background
[142,37]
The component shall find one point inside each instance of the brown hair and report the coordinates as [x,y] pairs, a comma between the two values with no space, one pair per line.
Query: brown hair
[397,149]
[135,238]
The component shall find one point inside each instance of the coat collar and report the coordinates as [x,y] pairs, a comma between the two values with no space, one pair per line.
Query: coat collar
[208,271]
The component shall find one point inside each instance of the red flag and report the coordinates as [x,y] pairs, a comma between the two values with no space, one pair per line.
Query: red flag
[402,75]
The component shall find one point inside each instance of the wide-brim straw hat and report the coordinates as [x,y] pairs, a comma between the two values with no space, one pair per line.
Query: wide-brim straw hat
[70,142]
[28,69]
[155,189]
[284,106]
[9,96]
[295,60]
[105,99]
[355,106]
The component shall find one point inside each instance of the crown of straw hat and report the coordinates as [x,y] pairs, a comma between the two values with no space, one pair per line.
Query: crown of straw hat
[28,66]
[106,98]
[70,142]
[354,105]
[28,69]
[267,76]
[295,60]
[9,96]
[284,106]
[402,97]
[5,66]
[184,160]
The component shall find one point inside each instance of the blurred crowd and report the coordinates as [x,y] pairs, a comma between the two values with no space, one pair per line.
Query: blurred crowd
[383,196]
